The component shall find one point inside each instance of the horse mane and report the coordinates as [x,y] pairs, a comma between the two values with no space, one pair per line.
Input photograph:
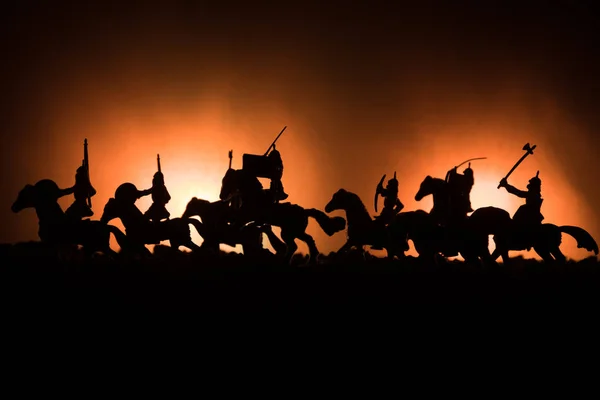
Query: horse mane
[356,199]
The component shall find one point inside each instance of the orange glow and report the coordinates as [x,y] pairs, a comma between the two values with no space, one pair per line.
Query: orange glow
[194,136]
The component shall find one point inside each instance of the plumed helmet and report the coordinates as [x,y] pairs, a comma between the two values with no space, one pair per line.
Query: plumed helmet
[127,192]
[393,183]
[468,171]
[536,181]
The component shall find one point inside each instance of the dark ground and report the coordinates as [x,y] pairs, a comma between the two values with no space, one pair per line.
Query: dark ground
[173,303]
[171,284]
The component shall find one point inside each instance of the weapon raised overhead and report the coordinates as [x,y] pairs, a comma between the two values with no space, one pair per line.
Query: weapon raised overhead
[466,161]
[86,165]
[158,162]
[230,157]
[528,150]
[272,144]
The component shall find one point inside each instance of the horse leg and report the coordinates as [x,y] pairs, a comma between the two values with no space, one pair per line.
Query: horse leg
[544,253]
[312,247]
[290,241]
[558,255]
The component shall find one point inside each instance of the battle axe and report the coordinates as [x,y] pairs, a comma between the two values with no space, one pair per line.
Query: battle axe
[528,150]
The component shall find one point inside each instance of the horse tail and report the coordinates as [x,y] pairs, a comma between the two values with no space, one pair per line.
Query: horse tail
[330,225]
[198,225]
[583,238]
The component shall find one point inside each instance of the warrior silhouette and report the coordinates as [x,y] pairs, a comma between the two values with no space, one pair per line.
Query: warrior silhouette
[82,190]
[160,197]
[528,217]
[391,204]
[460,190]
[276,187]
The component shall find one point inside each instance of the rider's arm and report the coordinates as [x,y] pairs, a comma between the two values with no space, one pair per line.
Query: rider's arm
[399,205]
[67,191]
[143,193]
[513,190]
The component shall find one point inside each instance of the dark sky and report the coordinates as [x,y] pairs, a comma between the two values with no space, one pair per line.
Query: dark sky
[359,77]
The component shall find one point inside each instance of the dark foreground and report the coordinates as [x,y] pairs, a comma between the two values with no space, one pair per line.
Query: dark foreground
[172,284]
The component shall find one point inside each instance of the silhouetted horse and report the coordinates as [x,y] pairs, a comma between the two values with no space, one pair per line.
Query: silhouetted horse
[257,206]
[215,218]
[140,229]
[495,221]
[57,229]
[364,231]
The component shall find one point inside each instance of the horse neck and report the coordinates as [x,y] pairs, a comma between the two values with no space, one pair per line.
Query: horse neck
[132,217]
[440,195]
[50,213]
[357,213]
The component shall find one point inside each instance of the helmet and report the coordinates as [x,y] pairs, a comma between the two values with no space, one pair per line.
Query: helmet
[536,181]
[468,171]
[393,183]
[127,192]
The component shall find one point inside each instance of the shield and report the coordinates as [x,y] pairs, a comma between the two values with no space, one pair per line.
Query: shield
[257,165]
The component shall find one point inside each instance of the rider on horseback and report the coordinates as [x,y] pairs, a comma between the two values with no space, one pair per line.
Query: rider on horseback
[460,190]
[391,206]
[82,190]
[276,187]
[528,218]
[160,197]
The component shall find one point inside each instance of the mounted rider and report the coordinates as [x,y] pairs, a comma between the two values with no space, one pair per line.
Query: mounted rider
[528,218]
[276,187]
[460,186]
[391,203]
[391,207]
[160,196]
[83,190]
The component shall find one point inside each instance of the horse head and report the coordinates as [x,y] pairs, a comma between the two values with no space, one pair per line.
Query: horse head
[195,207]
[338,201]
[43,192]
[111,211]
[427,188]
[25,199]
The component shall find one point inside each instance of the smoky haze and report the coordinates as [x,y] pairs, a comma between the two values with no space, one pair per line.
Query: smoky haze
[364,91]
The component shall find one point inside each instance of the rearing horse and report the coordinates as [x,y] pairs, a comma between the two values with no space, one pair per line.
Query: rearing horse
[57,229]
[140,229]
[257,206]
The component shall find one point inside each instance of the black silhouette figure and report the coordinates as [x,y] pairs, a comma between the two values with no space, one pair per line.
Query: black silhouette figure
[391,204]
[528,218]
[526,230]
[364,231]
[216,217]
[83,190]
[160,196]
[456,232]
[270,166]
[257,206]
[276,186]
[460,190]
[61,231]
[139,229]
